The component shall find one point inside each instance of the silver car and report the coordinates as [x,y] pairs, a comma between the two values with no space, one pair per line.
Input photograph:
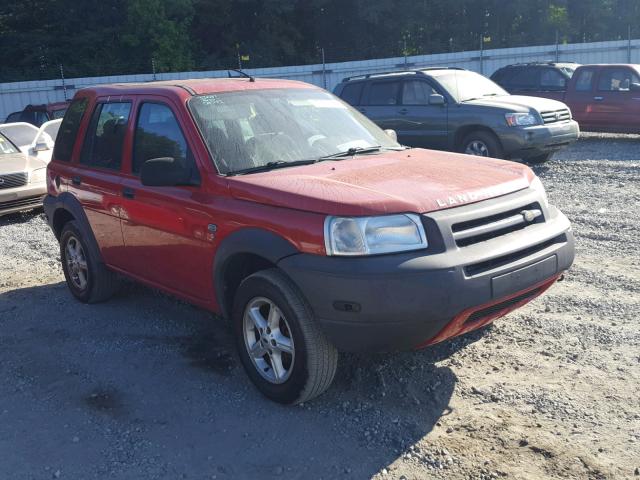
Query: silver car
[22,179]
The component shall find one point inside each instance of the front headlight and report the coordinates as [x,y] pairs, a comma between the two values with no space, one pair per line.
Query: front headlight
[353,236]
[538,187]
[39,175]
[521,119]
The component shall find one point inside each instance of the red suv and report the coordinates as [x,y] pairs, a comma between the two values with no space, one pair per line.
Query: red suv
[283,209]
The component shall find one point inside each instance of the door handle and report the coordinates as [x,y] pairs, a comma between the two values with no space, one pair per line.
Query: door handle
[598,99]
[403,111]
[128,192]
[76,180]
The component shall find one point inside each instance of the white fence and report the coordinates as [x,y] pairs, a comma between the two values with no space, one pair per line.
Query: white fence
[14,96]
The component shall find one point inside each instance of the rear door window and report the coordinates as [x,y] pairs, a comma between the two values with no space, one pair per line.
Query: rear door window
[584,80]
[617,80]
[384,93]
[68,130]
[158,135]
[416,92]
[551,79]
[525,79]
[103,143]
[351,93]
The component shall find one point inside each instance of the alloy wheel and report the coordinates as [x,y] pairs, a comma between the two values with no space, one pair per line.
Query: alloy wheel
[77,263]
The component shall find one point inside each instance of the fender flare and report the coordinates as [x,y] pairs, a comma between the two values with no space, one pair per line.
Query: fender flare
[68,202]
[253,241]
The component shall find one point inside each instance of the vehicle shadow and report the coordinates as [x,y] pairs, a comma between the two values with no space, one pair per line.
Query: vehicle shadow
[20,217]
[168,372]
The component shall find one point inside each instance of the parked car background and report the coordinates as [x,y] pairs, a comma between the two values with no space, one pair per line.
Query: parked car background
[39,114]
[602,98]
[459,110]
[537,79]
[37,142]
[22,179]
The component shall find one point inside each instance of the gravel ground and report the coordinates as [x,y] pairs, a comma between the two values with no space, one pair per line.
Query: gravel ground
[146,387]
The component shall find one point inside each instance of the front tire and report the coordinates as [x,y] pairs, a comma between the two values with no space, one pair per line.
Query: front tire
[281,347]
[88,279]
[482,144]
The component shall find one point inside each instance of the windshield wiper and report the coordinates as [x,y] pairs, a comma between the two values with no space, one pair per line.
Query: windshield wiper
[353,151]
[272,166]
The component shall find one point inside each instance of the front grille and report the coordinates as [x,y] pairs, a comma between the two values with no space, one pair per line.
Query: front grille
[554,116]
[486,228]
[498,307]
[481,267]
[22,203]
[13,180]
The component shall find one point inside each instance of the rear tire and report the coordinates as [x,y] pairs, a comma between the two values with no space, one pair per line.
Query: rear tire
[539,159]
[281,347]
[89,280]
[483,144]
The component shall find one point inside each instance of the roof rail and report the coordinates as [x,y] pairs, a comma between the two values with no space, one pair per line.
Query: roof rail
[538,62]
[417,71]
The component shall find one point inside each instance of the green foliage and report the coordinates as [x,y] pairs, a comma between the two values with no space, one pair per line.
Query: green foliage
[103,37]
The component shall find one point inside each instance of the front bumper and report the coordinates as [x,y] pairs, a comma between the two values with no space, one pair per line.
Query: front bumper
[22,198]
[527,142]
[409,300]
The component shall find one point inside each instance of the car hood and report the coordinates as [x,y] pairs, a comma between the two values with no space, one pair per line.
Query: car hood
[414,180]
[19,162]
[519,103]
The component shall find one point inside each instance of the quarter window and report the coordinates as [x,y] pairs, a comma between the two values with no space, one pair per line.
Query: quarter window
[158,135]
[103,145]
[384,93]
[68,130]
[617,80]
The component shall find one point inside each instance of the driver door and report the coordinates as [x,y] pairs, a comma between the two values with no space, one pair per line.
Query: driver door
[166,229]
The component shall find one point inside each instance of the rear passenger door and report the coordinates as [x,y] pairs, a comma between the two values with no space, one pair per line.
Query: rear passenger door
[95,180]
[419,123]
[166,229]
[381,102]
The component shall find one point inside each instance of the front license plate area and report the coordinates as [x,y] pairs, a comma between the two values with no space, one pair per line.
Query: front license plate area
[522,278]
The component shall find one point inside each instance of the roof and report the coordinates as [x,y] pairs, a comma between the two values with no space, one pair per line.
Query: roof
[417,71]
[200,86]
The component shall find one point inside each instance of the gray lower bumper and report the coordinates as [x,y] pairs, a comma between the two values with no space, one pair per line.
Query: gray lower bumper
[534,141]
[397,302]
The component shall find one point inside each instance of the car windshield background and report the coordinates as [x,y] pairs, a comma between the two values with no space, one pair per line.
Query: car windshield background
[464,86]
[255,128]
[6,146]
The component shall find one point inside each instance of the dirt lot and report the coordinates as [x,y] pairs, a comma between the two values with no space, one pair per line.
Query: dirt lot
[146,387]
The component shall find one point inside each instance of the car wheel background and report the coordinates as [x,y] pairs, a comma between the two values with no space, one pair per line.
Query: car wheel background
[314,360]
[482,143]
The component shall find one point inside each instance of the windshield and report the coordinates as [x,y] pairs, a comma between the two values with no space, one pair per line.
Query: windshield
[257,128]
[464,86]
[5,146]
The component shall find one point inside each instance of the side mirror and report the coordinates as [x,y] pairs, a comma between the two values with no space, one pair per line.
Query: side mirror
[392,134]
[436,99]
[41,147]
[165,172]
[634,87]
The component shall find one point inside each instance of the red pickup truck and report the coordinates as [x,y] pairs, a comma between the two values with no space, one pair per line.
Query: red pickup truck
[602,98]
[283,209]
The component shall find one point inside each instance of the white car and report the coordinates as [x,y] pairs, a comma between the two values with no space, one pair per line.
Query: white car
[36,142]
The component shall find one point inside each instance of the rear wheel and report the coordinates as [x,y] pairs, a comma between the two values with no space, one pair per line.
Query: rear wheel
[482,144]
[540,158]
[87,277]
[281,347]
